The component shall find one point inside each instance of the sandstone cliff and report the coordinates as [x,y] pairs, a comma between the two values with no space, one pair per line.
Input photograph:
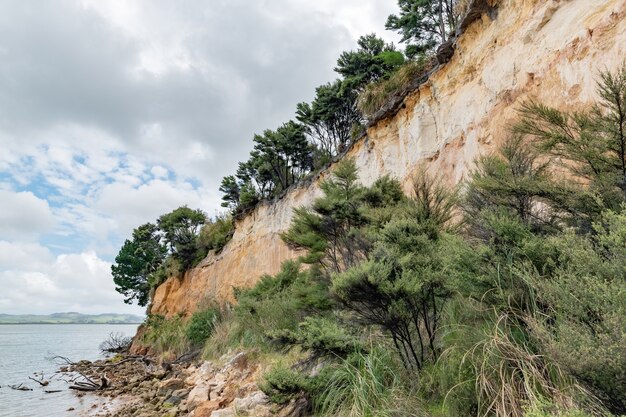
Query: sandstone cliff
[546,50]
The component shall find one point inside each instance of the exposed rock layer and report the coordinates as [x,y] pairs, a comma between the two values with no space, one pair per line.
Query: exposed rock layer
[549,51]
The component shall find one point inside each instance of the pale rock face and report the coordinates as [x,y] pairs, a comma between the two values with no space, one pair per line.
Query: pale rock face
[546,50]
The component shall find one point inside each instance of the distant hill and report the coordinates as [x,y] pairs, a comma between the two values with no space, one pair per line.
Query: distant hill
[70,318]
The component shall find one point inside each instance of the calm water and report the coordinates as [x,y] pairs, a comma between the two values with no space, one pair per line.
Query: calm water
[24,350]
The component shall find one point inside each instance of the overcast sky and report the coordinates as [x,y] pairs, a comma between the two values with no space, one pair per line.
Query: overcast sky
[113,112]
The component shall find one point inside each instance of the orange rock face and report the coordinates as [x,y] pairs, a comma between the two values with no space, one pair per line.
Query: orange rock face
[546,50]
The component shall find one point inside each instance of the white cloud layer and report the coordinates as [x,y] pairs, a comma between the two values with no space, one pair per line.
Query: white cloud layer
[114,112]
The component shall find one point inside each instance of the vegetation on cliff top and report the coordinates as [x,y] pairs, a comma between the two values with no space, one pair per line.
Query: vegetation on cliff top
[326,127]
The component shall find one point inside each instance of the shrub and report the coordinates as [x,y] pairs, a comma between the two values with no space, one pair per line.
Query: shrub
[201,325]
[582,322]
[166,336]
[283,384]
[214,235]
[279,302]
[321,336]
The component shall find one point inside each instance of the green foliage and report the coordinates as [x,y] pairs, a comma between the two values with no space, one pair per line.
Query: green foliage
[321,336]
[136,262]
[201,325]
[519,182]
[282,384]
[329,230]
[373,60]
[591,144]
[366,384]
[376,95]
[180,230]
[424,24]
[279,303]
[215,234]
[582,325]
[166,336]
[331,117]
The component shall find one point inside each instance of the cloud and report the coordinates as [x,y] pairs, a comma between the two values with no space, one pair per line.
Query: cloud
[73,282]
[115,112]
[23,215]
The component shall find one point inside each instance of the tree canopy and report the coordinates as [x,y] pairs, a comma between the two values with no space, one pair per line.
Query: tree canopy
[136,261]
[424,24]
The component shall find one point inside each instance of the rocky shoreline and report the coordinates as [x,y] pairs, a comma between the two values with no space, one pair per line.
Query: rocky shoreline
[140,387]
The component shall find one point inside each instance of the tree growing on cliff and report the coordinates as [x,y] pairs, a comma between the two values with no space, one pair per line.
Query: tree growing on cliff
[374,60]
[180,230]
[137,260]
[332,118]
[424,24]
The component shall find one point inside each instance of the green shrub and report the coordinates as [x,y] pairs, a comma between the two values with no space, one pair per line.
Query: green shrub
[166,336]
[321,336]
[283,384]
[279,303]
[214,235]
[201,325]
[582,322]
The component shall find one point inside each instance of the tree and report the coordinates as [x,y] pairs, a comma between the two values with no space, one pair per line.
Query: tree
[180,230]
[332,117]
[136,260]
[231,189]
[518,181]
[424,24]
[285,152]
[328,230]
[591,145]
[374,60]
[409,274]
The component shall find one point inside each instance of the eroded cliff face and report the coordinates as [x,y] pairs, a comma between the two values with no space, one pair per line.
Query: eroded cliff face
[549,51]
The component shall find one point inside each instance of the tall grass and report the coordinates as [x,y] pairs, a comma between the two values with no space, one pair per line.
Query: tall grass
[366,384]
[510,378]
[166,337]
[377,94]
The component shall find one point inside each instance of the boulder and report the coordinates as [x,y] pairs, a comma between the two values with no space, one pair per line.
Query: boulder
[198,395]
[252,401]
[206,409]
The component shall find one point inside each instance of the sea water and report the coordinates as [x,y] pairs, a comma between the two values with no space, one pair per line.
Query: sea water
[26,349]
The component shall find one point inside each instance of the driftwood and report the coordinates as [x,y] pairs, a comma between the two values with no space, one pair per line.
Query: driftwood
[20,387]
[52,391]
[90,385]
[42,382]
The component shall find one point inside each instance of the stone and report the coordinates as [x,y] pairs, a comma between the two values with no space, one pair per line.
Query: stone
[198,395]
[225,412]
[170,385]
[239,361]
[253,400]
[206,409]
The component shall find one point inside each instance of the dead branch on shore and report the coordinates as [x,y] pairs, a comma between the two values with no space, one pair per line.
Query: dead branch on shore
[90,385]
[60,360]
[20,387]
[116,343]
[43,383]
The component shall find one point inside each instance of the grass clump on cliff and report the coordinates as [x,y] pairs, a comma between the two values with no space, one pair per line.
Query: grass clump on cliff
[376,95]
[175,336]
